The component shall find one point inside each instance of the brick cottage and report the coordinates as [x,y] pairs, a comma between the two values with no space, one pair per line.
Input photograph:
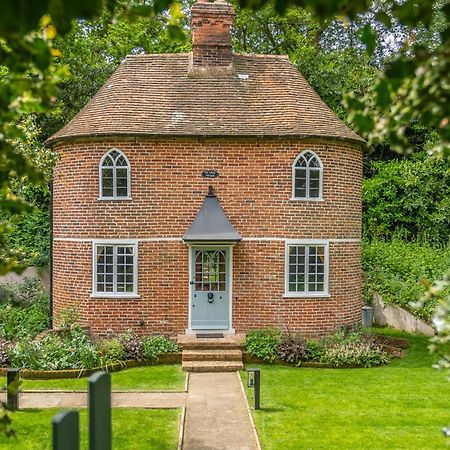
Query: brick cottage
[207,191]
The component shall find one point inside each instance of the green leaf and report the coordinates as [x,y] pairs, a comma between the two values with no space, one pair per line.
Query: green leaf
[369,38]
[176,33]
[383,93]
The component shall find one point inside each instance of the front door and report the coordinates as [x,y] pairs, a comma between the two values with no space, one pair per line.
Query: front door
[210,288]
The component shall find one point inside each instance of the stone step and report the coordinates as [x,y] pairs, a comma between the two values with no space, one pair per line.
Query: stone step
[228,342]
[212,366]
[212,355]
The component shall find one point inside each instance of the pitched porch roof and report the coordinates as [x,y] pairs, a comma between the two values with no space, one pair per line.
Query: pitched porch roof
[211,224]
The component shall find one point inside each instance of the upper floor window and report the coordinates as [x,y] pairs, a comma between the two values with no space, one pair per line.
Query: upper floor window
[115,182]
[307,177]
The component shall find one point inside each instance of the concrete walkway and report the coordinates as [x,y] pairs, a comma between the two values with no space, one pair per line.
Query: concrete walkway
[216,414]
[134,399]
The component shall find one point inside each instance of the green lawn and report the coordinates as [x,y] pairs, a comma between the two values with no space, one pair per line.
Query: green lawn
[132,429]
[402,405]
[153,378]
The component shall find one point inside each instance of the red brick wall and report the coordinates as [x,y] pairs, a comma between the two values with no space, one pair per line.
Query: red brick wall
[254,188]
[211,34]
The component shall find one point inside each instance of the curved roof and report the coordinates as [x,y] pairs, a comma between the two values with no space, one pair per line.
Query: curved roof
[156,95]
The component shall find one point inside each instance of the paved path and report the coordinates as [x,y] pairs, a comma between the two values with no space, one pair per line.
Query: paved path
[216,414]
[59,399]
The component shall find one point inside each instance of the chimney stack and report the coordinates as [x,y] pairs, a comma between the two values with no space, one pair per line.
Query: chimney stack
[211,33]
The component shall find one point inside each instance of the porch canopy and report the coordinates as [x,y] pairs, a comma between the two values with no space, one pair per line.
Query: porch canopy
[211,224]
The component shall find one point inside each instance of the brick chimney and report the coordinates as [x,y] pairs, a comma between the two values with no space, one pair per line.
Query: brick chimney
[211,33]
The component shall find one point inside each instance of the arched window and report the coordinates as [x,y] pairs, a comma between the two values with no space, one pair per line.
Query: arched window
[307,177]
[115,182]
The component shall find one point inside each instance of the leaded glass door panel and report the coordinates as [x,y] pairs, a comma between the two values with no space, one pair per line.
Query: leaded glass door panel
[210,303]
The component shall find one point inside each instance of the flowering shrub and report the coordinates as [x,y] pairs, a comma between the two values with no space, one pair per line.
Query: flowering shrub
[133,345]
[362,353]
[158,345]
[292,348]
[349,345]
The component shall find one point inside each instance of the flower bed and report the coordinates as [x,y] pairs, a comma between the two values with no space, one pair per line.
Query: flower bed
[347,347]
[27,374]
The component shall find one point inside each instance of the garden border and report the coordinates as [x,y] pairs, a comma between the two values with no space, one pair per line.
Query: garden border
[393,346]
[29,374]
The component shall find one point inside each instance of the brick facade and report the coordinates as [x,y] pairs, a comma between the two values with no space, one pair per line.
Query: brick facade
[254,188]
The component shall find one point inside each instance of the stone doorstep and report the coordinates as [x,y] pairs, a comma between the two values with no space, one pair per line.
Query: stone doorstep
[212,355]
[212,366]
[188,342]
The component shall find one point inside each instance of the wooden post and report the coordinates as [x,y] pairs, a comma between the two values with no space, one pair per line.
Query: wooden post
[66,431]
[100,427]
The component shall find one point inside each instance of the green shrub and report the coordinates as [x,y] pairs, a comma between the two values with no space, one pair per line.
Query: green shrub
[408,199]
[395,269]
[314,350]
[263,343]
[110,351]
[158,345]
[23,313]
[4,353]
[359,353]
[56,351]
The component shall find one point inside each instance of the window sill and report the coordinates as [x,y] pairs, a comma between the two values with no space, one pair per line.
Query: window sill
[118,296]
[114,199]
[321,295]
[295,199]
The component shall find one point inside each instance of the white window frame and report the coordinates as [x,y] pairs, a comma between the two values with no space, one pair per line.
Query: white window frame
[308,169]
[100,178]
[306,243]
[115,242]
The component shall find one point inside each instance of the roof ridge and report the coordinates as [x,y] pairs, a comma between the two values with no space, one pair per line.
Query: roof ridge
[158,54]
[262,55]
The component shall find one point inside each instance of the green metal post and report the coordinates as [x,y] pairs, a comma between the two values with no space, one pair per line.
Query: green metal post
[66,431]
[100,427]
[257,388]
[12,389]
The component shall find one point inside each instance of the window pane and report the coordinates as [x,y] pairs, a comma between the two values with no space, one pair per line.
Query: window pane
[107,161]
[301,162]
[121,161]
[107,182]
[314,162]
[300,183]
[122,192]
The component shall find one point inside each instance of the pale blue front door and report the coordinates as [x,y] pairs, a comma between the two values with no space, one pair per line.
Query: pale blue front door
[210,288]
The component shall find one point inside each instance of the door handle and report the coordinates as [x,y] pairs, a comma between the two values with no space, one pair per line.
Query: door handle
[210,297]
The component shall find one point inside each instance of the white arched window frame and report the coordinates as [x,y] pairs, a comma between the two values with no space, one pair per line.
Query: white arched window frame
[307,177]
[114,176]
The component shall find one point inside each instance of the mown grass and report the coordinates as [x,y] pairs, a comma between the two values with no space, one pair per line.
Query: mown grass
[402,405]
[153,378]
[133,429]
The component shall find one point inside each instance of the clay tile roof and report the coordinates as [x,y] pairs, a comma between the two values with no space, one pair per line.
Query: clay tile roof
[156,95]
